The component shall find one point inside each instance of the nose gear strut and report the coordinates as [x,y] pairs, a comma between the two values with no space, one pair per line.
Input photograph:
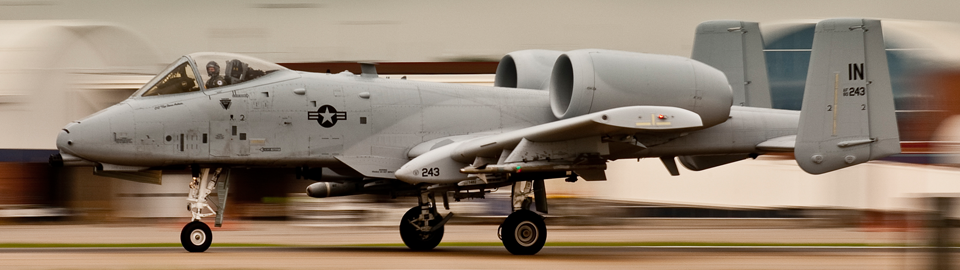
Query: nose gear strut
[196,235]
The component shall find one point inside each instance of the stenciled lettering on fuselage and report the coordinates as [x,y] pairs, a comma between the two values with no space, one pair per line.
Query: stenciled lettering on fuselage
[327,116]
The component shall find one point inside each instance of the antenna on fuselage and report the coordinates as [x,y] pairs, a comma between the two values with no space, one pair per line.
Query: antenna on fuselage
[368,70]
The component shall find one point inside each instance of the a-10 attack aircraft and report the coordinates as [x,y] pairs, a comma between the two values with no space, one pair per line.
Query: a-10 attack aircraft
[551,115]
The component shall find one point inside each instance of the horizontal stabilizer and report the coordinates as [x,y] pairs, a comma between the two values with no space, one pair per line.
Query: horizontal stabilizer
[592,175]
[736,48]
[699,163]
[778,144]
[848,115]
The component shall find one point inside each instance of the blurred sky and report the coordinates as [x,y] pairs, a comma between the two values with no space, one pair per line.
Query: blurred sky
[301,31]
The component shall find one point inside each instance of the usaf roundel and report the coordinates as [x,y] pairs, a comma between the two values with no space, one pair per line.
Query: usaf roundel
[327,116]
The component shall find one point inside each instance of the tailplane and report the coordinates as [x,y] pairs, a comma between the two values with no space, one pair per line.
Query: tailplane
[736,48]
[847,116]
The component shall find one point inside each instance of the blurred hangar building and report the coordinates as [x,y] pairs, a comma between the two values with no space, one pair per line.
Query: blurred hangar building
[54,72]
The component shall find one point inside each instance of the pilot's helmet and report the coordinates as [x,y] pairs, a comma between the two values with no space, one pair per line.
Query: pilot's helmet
[236,69]
[216,68]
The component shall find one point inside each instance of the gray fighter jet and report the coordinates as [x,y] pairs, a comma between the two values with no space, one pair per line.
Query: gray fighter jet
[551,115]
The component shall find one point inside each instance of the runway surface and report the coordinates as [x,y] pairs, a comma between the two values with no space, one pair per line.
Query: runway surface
[466,258]
[335,247]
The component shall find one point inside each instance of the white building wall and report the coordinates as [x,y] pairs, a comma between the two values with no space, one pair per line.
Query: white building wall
[432,30]
[54,72]
[770,181]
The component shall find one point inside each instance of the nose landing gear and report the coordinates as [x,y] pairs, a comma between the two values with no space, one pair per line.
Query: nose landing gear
[196,235]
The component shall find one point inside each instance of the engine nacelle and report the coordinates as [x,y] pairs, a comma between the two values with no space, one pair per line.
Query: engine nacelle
[528,69]
[592,80]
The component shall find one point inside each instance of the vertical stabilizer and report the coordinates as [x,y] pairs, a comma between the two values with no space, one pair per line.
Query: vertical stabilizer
[736,48]
[847,116]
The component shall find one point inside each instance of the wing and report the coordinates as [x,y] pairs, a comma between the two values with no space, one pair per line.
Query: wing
[572,144]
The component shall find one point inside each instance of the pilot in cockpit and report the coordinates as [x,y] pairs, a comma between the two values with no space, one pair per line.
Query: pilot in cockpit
[213,70]
[238,72]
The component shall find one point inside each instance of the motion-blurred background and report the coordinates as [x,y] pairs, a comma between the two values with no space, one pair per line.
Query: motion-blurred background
[63,60]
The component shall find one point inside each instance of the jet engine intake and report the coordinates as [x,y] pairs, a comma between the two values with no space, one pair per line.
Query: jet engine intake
[528,69]
[592,80]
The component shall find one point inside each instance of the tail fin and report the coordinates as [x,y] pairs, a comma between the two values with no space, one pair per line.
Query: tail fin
[736,48]
[847,116]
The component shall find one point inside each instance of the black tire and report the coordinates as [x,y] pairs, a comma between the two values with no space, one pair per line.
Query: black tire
[413,238]
[523,233]
[196,237]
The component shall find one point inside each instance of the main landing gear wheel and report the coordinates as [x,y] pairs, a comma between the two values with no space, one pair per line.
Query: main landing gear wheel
[413,237]
[196,237]
[523,232]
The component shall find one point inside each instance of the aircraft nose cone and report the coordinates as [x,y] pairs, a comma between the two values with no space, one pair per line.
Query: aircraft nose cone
[64,139]
[91,138]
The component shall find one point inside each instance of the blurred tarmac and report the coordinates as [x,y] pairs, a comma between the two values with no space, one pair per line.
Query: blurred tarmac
[336,247]
[291,233]
[459,258]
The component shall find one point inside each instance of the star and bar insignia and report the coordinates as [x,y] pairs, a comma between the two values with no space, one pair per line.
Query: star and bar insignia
[327,116]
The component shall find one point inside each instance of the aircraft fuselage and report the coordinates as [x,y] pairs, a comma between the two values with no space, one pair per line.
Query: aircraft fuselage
[309,119]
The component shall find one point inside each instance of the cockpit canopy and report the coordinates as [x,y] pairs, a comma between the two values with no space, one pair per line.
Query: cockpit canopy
[214,70]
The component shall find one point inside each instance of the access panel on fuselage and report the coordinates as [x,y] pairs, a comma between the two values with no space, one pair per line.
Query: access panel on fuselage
[229,138]
[327,119]
[396,121]
[230,127]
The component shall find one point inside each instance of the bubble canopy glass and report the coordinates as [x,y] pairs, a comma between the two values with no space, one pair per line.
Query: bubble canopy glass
[197,71]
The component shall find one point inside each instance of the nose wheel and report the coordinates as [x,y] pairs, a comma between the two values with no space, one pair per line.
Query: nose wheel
[196,237]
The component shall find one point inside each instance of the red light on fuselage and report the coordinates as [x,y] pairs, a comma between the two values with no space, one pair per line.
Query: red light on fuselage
[661,117]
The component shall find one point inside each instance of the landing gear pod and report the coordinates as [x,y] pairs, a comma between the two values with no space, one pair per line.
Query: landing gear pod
[413,236]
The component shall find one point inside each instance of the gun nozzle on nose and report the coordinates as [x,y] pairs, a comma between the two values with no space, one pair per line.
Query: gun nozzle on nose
[67,160]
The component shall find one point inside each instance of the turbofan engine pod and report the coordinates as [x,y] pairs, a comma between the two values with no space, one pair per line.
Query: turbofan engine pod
[592,80]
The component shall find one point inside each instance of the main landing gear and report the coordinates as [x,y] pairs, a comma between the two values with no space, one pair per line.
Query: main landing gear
[522,233]
[421,228]
[196,235]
